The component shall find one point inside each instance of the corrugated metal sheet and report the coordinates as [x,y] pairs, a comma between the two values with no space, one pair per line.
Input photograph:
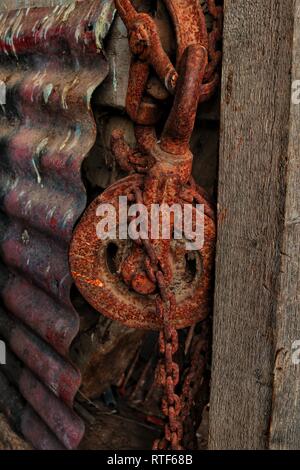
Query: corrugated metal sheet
[51,61]
[14,4]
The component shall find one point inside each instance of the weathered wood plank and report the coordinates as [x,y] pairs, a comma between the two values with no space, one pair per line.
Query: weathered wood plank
[254,149]
[285,423]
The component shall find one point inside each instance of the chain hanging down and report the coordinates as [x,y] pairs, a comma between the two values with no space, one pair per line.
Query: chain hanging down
[168,376]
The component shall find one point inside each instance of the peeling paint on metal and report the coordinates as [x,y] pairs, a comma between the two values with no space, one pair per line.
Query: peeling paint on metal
[115,82]
[101,26]
[47,92]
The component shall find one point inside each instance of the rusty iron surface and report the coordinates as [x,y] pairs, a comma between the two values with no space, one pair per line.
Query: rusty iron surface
[145,93]
[89,256]
[145,283]
[108,293]
[125,289]
[51,61]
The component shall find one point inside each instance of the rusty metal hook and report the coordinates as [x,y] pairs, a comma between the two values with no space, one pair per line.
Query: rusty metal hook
[171,154]
[180,124]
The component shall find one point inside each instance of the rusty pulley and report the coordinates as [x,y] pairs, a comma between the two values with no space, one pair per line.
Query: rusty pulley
[147,281]
[96,264]
[104,269]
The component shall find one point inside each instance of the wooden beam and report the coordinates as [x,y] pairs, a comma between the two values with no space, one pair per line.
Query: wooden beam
[285,422]
[256,90]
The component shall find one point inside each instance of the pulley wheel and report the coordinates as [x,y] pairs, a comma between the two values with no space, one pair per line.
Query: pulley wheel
[95,267]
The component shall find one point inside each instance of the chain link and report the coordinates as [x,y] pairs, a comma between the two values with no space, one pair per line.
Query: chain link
[169,379]
[174,407]
[168,375]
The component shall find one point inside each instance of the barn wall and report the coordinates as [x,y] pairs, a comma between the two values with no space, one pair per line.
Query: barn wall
[255,386]
[285,422]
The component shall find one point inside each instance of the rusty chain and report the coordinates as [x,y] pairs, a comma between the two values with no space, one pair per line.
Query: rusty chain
[168,375]
[176,408]
[169,379]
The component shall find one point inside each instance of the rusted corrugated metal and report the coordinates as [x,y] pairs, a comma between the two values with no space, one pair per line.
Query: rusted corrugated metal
[51,61]
[14,4]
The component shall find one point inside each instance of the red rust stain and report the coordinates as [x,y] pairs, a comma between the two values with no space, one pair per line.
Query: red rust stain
[92,282]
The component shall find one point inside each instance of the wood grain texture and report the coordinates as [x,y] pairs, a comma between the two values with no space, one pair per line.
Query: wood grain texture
[285,423]
[254,149]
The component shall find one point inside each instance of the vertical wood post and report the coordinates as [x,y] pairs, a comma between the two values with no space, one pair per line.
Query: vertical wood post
[285,420]
[256,313]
